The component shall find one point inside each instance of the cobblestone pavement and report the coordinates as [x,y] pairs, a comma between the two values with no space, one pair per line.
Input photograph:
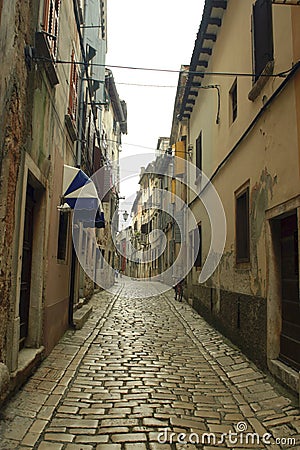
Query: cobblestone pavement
[140,370]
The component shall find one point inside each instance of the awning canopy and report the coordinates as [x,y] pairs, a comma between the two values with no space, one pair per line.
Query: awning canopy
[80,193]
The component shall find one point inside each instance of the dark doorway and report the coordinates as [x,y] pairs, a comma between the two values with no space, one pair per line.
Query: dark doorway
[26,266]
[290,333]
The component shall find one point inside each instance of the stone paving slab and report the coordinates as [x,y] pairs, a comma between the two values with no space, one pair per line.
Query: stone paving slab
[148,373]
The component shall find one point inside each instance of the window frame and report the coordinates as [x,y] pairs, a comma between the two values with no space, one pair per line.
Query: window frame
[233,95]
[102,250]
[51,24]
[263,38]
[242,227]
[73,92]
[62,238]
[199,151]
[198,259]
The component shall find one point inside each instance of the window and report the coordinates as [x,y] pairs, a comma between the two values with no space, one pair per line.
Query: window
[171,251]
[73,97]
[62,236]
[262,36]
[199,151]
[242,227]
[51,19]
[233,101]
[198,246]
[87,253]
[144,228]
[102,258]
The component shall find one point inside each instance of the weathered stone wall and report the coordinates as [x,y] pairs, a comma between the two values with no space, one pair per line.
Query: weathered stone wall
[15,25]
[242,318]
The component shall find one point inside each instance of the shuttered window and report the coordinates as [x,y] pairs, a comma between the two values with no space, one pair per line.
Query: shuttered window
[262,35]
[242,227]
[233,101]
[199,151]
[198,246]
[144,228]
[51,22]
[62,236]
[73,96]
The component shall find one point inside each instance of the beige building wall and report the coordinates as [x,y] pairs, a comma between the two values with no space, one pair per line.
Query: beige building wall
[111,135]
[53,145]
[259,149]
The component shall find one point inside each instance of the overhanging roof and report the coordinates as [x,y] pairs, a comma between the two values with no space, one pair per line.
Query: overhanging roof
[206,36]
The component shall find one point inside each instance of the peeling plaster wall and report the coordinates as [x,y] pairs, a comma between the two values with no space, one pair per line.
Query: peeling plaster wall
[35,144]
[235,297]
[15,25]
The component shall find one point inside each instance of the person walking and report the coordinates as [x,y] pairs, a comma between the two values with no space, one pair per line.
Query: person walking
[178,290]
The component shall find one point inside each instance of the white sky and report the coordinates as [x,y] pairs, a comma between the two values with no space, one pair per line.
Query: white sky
[152,34]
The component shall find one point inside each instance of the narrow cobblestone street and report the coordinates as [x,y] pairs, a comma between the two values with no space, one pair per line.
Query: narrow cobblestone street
[141,366]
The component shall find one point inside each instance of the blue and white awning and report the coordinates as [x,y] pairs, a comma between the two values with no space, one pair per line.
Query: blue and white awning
[80,194]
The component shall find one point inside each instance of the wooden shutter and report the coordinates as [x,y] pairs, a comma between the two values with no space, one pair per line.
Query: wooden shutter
[198,246]
[242,227]
[51,21]
[199,151]
[73,96]
[263,35]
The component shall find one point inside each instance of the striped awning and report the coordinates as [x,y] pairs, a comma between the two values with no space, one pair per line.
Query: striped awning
[80,193]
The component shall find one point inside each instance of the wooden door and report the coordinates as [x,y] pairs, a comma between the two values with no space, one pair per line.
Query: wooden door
[26,266]
[290,334]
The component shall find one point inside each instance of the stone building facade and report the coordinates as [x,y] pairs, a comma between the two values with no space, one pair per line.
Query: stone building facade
[51,98]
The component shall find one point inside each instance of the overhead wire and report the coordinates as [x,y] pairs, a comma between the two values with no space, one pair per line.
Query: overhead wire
[192,72]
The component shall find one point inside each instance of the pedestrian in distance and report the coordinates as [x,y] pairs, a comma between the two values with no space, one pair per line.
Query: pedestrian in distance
[178,287]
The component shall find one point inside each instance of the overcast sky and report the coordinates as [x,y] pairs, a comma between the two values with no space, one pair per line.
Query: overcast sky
[157,34]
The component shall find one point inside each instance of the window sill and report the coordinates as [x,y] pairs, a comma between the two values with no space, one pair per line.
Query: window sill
[261,81]
[62,262]
[242,265]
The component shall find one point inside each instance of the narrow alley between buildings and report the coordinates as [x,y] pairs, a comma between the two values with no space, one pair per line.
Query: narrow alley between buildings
[148,373]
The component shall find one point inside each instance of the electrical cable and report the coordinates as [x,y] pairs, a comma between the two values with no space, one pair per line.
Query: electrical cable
[191,72]
[275,94]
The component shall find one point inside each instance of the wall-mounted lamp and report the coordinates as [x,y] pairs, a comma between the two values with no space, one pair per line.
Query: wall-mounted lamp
[125,214]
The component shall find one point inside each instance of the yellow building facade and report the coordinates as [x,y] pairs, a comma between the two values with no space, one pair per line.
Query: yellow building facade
[240,118]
